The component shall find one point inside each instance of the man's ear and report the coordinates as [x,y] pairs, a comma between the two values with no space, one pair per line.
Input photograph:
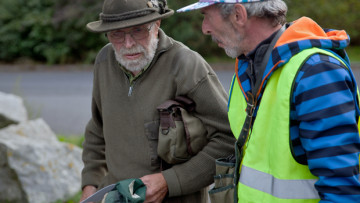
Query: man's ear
[158,22]
[240,15]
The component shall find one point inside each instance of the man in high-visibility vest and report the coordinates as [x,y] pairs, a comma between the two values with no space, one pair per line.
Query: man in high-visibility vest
[293,103]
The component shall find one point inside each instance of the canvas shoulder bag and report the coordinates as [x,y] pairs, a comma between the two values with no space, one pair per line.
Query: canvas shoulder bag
[181,134]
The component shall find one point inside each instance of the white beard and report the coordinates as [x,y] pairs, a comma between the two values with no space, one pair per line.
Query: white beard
[143,61]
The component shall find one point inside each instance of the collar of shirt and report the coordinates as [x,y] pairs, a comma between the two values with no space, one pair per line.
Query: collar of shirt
[255,58]
[131,77]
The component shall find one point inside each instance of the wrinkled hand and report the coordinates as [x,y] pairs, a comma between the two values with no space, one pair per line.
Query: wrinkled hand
[87,191]
[156,187]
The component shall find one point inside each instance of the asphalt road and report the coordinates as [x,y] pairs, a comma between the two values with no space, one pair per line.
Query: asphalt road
[61,98]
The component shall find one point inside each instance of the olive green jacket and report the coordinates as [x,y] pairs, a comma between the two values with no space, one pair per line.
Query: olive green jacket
[121,137]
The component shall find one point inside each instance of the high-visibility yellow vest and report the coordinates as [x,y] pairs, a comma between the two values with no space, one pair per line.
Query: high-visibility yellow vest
[268,171]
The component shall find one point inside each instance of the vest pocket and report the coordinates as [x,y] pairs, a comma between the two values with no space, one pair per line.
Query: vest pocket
[224,187]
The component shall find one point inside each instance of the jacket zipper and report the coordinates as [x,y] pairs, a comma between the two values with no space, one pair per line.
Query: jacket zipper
[131,89]
[131,85]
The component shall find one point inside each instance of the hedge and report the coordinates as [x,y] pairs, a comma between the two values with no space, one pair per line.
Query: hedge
[53,31]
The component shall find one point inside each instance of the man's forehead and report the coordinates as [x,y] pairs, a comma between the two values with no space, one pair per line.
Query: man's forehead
[209,9]
[146,25]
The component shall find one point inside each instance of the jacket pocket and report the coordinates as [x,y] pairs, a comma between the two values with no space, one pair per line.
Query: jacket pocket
[224,187]
[151,132]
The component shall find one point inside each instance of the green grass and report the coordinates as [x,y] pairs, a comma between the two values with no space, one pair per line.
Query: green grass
[75,140]
[74,199]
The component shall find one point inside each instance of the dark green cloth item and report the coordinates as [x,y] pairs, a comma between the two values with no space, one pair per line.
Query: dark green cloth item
[127,191]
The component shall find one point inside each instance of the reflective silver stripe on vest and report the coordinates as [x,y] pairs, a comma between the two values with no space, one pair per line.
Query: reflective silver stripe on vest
[283,189]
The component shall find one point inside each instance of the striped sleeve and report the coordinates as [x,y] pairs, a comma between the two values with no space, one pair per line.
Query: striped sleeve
[324,129]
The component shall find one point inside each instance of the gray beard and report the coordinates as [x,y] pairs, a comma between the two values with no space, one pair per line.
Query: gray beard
[232,52]
[141,63]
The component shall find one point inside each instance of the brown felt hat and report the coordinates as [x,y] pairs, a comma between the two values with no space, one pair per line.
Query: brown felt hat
[118,14]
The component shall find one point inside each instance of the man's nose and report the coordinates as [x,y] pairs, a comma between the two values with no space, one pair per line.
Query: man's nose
[205,28]
[129,41]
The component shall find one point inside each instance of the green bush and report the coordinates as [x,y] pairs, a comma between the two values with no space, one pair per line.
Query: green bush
[186,27]
[53,31]
[334,14]
[48,30]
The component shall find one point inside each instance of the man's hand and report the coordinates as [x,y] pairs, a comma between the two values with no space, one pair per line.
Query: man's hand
[156,187]
[87,191]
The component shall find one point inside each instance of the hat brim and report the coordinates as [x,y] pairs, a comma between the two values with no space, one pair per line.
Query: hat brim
[100,26]
[195,6]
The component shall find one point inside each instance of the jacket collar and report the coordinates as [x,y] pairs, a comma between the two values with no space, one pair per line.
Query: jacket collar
[301,34]
[165,42]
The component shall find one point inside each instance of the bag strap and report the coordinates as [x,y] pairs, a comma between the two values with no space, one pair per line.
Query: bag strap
[266,57]
[189,106]
[250,109]
[187,103]
[251,103]
[167,115]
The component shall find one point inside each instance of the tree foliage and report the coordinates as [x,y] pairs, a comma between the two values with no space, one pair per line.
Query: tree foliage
[334,14]
[48,30]
[186,27]
[53,31]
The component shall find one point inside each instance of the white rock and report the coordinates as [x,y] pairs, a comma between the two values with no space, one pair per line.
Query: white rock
[12,107]
[48,170]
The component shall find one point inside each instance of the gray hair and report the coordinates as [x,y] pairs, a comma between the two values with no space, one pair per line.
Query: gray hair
[272,9]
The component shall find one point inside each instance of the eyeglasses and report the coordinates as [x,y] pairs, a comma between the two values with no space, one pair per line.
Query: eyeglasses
[136,33]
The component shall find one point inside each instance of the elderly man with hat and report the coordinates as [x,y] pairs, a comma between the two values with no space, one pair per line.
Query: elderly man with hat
[138,70]
[298,140]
